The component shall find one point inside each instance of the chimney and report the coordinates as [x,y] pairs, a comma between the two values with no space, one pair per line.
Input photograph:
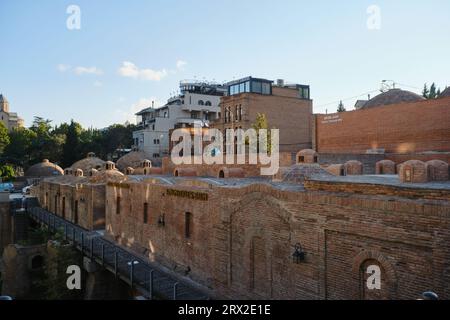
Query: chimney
[153,104]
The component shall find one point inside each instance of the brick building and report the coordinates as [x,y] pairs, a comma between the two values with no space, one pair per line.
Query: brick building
[286,107]
[238,236]
[397,125]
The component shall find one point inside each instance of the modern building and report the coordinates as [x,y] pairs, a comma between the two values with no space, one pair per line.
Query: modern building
[197,104]
[10,119]
[287,107]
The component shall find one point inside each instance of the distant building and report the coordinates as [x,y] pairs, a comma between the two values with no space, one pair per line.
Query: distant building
[197,104]
[287,107]
[10,119]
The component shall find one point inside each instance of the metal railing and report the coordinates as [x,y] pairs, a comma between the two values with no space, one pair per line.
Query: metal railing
[139,274]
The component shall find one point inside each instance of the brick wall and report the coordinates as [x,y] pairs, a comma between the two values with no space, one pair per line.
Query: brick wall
[241,239]
[287,113]
[399,129]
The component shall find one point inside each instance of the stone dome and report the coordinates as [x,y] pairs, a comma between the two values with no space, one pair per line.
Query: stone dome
[393,96]
[44,169]
[88,163]
[133,159]
[445,93]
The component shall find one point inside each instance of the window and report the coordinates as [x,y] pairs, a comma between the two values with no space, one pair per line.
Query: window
[266,88]
[301,159]
[64,207]
[201,103]
[118,200]
[146,213]
[208,103]
[75,218]
[304,92]
[256,87]
[187,225]
[156,155]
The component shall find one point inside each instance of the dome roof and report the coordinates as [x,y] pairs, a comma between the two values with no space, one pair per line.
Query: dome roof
[44,169]
[133,159]
[88,163]
[393,96]
[445,93]
[105,176]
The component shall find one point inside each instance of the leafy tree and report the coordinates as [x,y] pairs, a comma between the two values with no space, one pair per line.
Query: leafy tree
[20,147]
[7,173]
[341,107]
[71,145]
[4,137]
[262,123]
[425,91]
[432,94]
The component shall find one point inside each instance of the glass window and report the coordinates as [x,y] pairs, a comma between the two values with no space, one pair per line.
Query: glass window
[256,87]
[247,86]
[242,88]
[266,88]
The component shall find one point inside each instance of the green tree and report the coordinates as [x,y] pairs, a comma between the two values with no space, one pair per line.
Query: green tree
[71,145]
[433,93]
[425,91]
[341,107]
[7,173]
[4,137]
[20,148]
[262,123]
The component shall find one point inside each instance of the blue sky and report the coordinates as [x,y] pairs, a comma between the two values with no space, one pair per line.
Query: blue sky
[128,53]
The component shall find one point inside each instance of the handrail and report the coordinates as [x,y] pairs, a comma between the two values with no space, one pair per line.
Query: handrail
[139,274]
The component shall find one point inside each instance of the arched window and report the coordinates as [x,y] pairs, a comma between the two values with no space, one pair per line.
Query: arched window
[208,103]
[201,103]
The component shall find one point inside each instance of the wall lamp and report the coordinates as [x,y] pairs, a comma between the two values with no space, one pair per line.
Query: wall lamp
[299,255]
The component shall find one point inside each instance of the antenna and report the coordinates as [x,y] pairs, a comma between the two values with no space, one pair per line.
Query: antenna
[387,85]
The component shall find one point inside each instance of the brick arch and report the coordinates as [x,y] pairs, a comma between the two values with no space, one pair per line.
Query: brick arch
[391,275]
[248,264]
